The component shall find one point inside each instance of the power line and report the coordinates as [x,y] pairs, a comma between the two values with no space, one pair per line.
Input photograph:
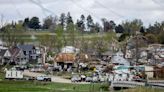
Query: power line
[39,4]
[156,2]
[18,12]
[111,11]
[81,7]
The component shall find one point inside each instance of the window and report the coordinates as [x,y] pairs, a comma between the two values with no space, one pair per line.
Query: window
[120,75]
[24,52]
[30,52]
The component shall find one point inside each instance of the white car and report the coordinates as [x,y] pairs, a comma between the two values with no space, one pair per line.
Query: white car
[95,79]
[43,78]
[102,79]
[76,78]
[88,79]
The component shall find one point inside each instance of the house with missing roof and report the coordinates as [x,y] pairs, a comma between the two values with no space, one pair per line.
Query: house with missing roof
[66,58]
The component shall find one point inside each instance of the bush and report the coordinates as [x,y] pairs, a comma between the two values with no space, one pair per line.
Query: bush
[151,38]
[123,37]
[161,37]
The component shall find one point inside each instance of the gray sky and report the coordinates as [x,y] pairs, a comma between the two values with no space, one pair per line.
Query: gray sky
[149,11]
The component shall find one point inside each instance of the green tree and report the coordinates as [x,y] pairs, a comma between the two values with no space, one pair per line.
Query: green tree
[156,28]
[71,34]
[62,20]
[119,29]
[151,38]
[69,19]
[142,30]
[108,25]
[161,37]
[132,26]
[13,35]
[48,40]
[26,23]
[97,27]
[81,23]
[34,23]
[99,45]
[48,22]
[90,23]
[60,42]
[123,37]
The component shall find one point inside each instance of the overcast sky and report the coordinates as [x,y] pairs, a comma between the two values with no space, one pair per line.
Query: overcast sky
[118,10]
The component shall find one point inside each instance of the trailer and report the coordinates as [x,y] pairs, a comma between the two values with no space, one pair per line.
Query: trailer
[14,74]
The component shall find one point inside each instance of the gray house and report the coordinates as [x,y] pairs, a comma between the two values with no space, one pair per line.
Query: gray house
[5,56]
[29,51]
[17,56]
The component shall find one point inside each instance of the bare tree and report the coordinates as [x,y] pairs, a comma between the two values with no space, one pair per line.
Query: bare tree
[1,21]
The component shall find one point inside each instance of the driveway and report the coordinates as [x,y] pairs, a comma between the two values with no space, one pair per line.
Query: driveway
[53,78]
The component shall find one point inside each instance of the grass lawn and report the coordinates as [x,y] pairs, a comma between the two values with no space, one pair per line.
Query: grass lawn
[1,76]
[29,86]
[35,86]
[143,89]
[40,35]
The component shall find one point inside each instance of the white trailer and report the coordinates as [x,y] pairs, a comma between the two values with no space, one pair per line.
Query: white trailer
[14,74]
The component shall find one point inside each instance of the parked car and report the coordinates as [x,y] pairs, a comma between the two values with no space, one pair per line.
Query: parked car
[43,78]
[57,68]
[76,78]
[102,79]
[95,79]
[32,78]
[88,79]
[83,77]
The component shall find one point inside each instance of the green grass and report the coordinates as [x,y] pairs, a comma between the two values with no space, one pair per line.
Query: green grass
[143,89]
[26,36]
[35,86]
[1,75]
[29,86]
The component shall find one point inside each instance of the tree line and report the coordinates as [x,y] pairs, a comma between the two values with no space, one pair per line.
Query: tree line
[85,24]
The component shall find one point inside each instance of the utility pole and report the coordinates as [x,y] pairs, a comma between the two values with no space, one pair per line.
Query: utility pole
[137,49]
